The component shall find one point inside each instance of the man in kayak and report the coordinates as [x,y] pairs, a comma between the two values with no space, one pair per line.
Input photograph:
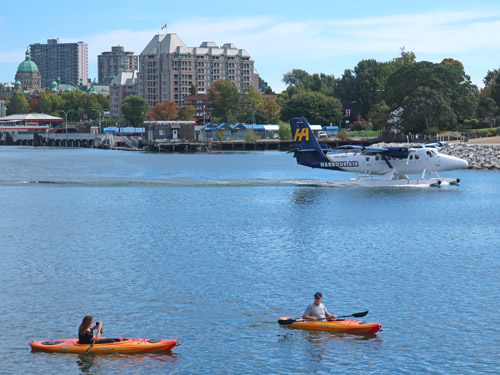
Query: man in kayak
[317,310]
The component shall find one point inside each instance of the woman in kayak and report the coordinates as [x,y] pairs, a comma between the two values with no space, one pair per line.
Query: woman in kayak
[86,334]
[317,310]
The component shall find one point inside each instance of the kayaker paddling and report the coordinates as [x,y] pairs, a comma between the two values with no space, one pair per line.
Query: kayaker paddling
[316,310]
[86,334]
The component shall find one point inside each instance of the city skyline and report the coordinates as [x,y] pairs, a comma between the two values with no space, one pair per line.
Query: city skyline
[328,37]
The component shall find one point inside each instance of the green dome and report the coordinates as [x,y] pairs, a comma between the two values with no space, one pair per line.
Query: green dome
[17,83]
[27,65]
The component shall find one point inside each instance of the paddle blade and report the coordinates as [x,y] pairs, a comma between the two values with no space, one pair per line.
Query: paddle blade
[286,320]
[360,314]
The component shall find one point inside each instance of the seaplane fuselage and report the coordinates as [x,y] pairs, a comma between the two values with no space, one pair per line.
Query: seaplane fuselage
[417,160]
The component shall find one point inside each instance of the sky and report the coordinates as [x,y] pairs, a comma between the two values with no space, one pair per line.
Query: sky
[322,36]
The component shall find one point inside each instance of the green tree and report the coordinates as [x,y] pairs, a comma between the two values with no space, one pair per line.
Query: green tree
[251,136]
[285,133]
[301,80]
[187,113]
[88,105]
[134,109]
[494,90]
[345,87]
[486,107]
[296,77]
[249,104]
[427,107]
[223,97]
[491,76]
[268,111]
[51,103]
[264,87]
[371,77]
[379,115]
[17,104]
[456,98]
[315,106]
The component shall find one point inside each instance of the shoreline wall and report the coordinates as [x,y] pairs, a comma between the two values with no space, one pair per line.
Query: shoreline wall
[479,156]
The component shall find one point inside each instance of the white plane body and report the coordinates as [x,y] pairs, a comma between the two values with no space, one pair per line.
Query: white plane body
[391,164]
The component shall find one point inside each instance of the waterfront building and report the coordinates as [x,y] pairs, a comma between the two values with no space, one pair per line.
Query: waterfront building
[164,131]
[27,123]
[65,61]
[109,64]
[169,70]
[123,85]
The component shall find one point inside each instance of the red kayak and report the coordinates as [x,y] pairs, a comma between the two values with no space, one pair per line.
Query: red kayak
[119,345]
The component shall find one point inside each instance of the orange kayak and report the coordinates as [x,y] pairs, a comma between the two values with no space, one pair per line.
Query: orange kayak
[121,345]
[339,325]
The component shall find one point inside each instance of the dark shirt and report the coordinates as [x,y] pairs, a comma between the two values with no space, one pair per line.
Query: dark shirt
[85,338]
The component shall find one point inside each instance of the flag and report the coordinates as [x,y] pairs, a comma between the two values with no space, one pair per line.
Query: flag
[164,26]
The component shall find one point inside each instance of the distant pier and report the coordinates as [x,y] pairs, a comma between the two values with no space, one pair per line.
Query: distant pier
[260,145]
[172,146]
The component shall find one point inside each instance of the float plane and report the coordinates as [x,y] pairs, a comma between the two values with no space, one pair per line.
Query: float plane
[375,166]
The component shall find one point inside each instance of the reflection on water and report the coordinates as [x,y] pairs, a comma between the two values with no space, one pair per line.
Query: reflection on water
[92,363]
[305,196]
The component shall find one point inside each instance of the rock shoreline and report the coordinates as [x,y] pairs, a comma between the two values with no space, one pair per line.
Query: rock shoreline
[479,156]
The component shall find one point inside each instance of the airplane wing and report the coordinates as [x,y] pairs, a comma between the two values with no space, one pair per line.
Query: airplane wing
[362,148]
[436,144]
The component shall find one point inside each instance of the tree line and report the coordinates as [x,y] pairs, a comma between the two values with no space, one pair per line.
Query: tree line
[403,94]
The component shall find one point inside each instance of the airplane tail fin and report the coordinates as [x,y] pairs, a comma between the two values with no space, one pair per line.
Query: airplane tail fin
[306,148]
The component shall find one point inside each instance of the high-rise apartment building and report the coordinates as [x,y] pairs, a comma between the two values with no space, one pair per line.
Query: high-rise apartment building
[123,85]
[168,69]
[109,64]
[65,61]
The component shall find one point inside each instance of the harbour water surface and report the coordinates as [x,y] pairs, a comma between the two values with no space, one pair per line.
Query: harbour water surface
[212,248]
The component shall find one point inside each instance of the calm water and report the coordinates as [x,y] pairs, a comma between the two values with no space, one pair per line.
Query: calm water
[212,249]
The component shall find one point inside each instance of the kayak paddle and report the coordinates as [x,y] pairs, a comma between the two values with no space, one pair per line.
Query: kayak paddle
[355,315]
[90,347]
[93,342]
[289,320]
